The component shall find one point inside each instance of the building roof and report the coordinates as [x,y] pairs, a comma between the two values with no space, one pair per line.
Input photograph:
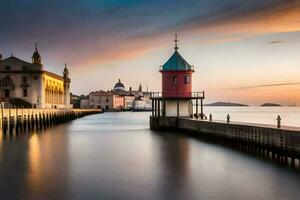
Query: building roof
[101,93]
[176,62]
[17,59]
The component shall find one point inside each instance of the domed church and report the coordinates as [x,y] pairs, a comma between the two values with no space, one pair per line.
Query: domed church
[119,87]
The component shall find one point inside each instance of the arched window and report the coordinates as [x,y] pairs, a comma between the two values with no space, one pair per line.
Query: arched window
[174,79]
[187,79]
[7,82]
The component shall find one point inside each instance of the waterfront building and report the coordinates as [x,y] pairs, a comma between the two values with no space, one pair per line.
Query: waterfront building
[30,82]
[128,101]
[133,99]
[118,99]
[106,100]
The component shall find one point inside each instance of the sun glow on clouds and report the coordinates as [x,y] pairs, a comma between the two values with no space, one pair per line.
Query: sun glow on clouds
[285,95]
[286,19]
[126,38]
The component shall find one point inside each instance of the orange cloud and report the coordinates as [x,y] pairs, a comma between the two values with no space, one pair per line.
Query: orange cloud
[232,29]
[286,94]
[285,19]
[221,40]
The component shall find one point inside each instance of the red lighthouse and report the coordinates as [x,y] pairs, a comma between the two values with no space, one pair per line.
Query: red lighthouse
[176,98]
[176,76]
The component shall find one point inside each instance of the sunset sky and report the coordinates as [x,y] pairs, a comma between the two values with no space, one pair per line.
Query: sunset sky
[245,51]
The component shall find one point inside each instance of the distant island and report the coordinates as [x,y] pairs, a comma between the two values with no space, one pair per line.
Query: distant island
[270,104]
[225,104]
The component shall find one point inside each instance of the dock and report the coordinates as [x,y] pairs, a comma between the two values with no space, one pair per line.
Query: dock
[280,144]
[18,120]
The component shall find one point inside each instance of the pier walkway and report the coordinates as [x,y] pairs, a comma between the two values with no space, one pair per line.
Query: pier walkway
[18,120]
[282,144]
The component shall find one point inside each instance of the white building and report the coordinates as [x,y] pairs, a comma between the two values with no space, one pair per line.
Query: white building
[30,82]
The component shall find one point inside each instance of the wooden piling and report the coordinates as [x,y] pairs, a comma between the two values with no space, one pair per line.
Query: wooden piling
[14,120]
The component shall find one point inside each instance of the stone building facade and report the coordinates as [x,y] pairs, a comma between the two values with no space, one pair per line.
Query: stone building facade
[106,101]
[30,82]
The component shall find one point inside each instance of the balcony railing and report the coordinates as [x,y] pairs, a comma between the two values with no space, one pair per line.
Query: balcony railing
[161,68]
[179,94]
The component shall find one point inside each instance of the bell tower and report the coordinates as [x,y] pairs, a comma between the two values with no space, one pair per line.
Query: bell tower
[36,58]
[67,82]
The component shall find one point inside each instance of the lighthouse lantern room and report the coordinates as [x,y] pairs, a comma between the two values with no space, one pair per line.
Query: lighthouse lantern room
[177,98]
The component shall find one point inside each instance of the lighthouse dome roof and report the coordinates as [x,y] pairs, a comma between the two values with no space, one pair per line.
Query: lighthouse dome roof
[176,62]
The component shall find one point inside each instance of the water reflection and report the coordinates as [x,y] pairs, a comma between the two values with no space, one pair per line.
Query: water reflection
[12,167]
[34,165]
[116,156]
[174,158]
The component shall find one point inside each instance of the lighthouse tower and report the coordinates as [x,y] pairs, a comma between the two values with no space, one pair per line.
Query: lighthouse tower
[176,76]
[176,98]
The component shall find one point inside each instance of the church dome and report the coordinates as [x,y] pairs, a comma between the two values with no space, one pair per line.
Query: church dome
[119,86]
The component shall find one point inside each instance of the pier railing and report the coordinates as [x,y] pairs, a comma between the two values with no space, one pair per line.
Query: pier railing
[161,68]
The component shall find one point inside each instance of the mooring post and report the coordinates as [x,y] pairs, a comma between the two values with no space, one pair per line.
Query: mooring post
[155,108]
[164,107]
[152,108]
[177,108]
[2,119]
[201,107]
[158,108]
[210,117]
[22,119]
[8,120]
[197,113]
[228,118]
[16,125]
[278,121]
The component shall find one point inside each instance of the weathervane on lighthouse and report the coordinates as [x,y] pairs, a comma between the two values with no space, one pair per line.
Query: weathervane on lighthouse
[176,43]
[177,98]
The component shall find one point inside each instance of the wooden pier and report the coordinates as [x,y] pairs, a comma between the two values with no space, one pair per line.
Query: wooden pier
[280,144]
[18,120]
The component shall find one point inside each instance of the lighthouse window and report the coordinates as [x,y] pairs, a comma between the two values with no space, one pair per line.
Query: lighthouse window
[174,79]
[186,79]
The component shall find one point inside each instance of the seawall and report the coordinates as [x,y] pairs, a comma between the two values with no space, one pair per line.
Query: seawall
[281,144]
[20,120]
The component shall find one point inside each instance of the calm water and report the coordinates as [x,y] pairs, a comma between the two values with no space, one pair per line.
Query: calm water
[116,156]
[265,115]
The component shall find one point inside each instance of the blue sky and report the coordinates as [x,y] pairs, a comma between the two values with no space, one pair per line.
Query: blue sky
[233,44]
